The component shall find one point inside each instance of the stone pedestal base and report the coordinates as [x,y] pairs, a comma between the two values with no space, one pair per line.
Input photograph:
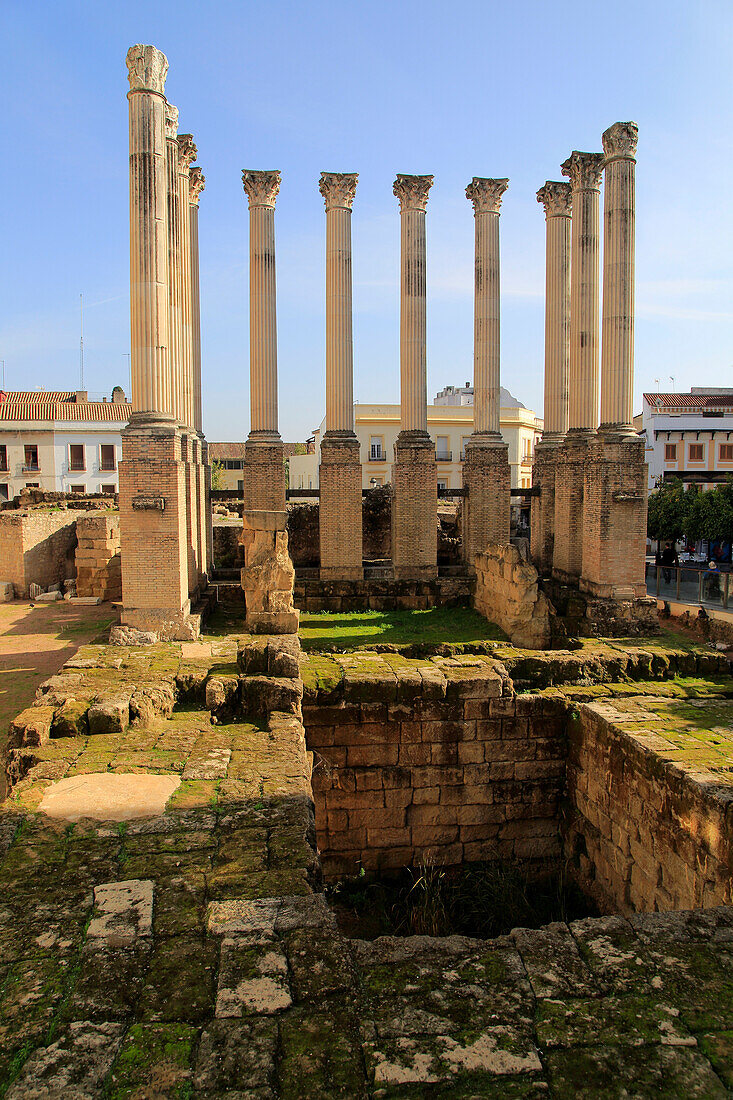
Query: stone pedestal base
[614,519]
[203,509]
[414,508]
[339,516]
[264,475]
[208,529]
[487,503]
[543,506]
[189,457]
[567,555]
[268,575]
[153,530]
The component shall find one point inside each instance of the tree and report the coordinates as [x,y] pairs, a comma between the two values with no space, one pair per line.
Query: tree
[668,508]
[711,514]
[217,474]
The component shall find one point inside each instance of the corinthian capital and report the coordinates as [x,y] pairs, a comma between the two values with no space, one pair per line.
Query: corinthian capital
[187,152]
[261,188]
[196,183]
[338,189]
[147,69]
[584,170]
[412,191]
[486,194]
[171,121]
[557,199]
[619,141]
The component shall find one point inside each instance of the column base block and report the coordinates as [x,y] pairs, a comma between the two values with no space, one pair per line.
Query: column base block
[567,554]
[339,513]
[264,475]
[268,575]
[414,508]
[542,524]
[487,480]
[614,519]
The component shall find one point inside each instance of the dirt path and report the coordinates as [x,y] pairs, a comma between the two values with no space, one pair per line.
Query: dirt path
[34,644]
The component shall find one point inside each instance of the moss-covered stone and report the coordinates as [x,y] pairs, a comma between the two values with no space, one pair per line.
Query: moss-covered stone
[154,1060]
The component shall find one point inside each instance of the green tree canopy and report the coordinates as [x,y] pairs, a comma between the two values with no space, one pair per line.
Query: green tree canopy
[675,511]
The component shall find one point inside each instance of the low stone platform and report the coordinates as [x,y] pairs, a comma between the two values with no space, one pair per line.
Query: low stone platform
[381,594]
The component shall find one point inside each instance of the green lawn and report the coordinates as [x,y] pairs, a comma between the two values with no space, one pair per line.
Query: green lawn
[326,630]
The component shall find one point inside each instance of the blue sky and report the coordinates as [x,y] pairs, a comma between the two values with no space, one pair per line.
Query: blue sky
[457,90]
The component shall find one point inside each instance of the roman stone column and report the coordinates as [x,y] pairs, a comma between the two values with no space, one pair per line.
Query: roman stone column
[186,156]
[340,476]
[556,199]
[414,473]
[264,469]
[584,171]
[152,479]
[615,476]
[202,470]
[486,471]
[174,261]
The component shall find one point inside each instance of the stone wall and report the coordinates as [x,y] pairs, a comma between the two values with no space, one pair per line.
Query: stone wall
[37,548]
[435,764]
[386,594]
[645,834]
[304,535]
[98,558]
[228,553]
[507,593]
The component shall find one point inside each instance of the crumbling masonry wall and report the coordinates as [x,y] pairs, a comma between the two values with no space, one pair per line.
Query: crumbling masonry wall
[37,548]
[507,593]
[98,559]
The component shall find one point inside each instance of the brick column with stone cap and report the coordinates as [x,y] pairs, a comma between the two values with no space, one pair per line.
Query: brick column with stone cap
[614,526]
[264,469]
[152,474]
[340,469]
[414,473]
[556,199]
[486,470]
[584,171]
[196,183]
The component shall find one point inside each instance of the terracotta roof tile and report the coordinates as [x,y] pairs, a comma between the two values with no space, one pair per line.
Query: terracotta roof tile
[44,407]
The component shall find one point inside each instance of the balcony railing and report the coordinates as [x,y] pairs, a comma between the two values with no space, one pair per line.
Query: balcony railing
[106,468]
[77,468]
[376,455]
[30,469]
[444,456]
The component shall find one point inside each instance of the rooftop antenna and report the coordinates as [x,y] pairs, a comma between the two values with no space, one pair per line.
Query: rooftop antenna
[671,378]
[657,381]
[81,341]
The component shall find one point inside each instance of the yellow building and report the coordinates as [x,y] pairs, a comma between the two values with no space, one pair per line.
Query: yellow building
[449,425]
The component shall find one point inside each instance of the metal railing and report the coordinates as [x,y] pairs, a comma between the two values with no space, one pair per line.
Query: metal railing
[376,456]
[444,456]
[694,583]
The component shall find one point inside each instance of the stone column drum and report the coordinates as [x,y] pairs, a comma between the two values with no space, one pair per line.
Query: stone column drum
[557,202]
[584,170]
[264,468]
[414,473]
[152,479]
[616,476]
[340,469]
[197,182]
[486,470]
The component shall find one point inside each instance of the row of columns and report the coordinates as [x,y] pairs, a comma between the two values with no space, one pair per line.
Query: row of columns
[589,523]
[164,474]
[414,474]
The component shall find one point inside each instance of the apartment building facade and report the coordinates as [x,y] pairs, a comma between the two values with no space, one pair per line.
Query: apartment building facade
[689,435]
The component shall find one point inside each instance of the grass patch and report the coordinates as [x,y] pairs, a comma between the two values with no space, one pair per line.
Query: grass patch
[333,631]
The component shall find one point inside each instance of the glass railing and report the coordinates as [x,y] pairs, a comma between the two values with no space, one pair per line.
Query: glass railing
[694,583]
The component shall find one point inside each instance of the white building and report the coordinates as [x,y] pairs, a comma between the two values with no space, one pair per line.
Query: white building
[450,424]
[689,435]
[60,441]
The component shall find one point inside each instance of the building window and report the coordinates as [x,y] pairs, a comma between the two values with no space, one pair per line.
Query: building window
[78,488]
[670,452]
[31,457]
[442,449]
[464,441]
[109,490]
[76,456]
[696,452]
[726,452]
[376,448]
[4,492]
[442,483]
[107,456]
[33,485]
[3,457]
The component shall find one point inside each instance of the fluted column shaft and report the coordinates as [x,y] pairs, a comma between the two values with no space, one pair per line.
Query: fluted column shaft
[262,189]
[175,284]
[338,190]
[617,352]
[412,191]
[186,157]
[196,186]
[584,170]
[149,362]
[557,201]
[485,194]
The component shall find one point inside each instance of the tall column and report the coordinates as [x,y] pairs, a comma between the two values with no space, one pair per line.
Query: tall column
[340,512]
[174,260]
[152,478]
[201,469]
[556,199]
[264,469]
[414,473]
[186,156]
[584,171]
[614,544]
[486,470]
